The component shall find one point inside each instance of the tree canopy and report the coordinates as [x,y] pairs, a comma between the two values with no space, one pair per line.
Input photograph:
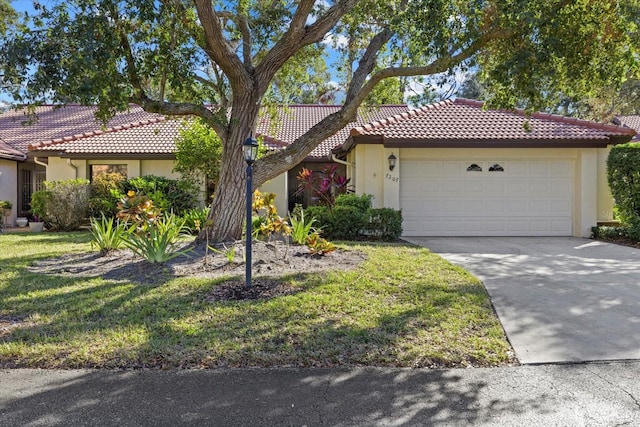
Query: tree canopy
[221,60]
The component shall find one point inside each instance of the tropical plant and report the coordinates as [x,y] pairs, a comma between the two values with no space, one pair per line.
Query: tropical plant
[323,186]
[137,210]
[268,221]
[170,195]
[301,228]
[195,219]
[107,234]
[157,242]
[318,245]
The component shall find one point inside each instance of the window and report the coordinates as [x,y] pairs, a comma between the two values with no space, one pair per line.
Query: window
[496,168]
[97,170]
[474,167]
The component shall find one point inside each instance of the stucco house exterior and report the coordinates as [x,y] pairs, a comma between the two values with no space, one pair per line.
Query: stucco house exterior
[460,169]
[463,170]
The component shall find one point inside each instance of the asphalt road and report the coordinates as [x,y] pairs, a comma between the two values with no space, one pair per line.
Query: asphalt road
[597,394]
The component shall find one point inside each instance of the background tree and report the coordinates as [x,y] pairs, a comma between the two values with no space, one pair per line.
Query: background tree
[177,57]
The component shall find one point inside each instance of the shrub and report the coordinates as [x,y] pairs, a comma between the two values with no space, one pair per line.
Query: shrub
[362,203]
[383,224]
[62,205]
[623,173]
[195,219]
[107,234]
[169,195]
[345,223]
[157,242]
[106,191]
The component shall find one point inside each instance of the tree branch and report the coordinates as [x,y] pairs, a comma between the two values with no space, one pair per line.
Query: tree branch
[299,35]
[218,49]
[213,118]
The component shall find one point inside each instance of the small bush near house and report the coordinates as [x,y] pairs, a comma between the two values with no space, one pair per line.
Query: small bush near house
[268,222]
[352,217]
[383,224]
[106,191]
[170,195]
[62,205]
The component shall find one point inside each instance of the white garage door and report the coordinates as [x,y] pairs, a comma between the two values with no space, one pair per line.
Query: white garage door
[487,198]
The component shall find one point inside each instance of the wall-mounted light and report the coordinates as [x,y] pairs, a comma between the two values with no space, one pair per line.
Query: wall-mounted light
[392,161]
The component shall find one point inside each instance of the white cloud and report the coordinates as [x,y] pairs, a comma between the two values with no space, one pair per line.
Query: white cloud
[333,40]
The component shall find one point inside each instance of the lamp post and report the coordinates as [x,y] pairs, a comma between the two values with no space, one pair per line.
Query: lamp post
[250,151]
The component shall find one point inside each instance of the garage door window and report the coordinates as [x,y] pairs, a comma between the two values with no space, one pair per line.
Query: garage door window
[474,167]
[496,168]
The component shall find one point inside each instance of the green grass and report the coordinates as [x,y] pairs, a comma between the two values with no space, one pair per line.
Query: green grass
[402,307]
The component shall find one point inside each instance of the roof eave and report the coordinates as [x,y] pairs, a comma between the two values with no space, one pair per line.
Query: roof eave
[104,156]
[492,143]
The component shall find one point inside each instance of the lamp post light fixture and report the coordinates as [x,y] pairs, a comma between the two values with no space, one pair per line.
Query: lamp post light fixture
[392,161]
[250,151]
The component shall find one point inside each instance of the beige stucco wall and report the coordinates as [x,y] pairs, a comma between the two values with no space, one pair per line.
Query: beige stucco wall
[9,187]
[592,198]
[278,186]
[158,168]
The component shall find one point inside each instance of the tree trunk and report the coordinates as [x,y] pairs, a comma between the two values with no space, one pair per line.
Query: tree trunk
[228,206]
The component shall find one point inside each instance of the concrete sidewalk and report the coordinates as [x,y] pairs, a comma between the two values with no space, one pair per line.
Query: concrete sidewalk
[560,299]
[553,395]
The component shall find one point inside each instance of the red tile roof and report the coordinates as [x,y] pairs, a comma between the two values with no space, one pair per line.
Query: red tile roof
[8,152]
[632,122]
[60,122]
[293,121]
[151,137]
[466,123]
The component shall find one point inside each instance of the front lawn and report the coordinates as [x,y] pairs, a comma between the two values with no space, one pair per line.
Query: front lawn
[403,306]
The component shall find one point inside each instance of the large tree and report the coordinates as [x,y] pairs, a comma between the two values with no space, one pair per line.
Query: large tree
[180,57]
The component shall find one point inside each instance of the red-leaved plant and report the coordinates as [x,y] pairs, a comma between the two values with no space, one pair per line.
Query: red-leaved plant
[324,186]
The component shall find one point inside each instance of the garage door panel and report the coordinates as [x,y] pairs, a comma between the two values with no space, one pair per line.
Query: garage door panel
[530,198]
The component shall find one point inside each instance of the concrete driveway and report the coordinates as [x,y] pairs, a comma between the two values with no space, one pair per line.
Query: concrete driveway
[560,299]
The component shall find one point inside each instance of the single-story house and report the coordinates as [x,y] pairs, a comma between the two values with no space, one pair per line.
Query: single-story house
[68,142]
[458,169]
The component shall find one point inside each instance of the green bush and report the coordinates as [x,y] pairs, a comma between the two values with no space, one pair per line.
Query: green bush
[106,191]
[169,195]
[623,173]
[346,223]
[352,217]
[383,224]
[362,203]
[62,205]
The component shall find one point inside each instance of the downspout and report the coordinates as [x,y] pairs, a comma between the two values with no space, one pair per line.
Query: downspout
[38,162]
[74,167]
[342,162]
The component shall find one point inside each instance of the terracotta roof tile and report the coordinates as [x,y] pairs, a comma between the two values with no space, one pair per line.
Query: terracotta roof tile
[293,121]
[149,136]
[55,123]
[464,119]
[632,122]
[8,152]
